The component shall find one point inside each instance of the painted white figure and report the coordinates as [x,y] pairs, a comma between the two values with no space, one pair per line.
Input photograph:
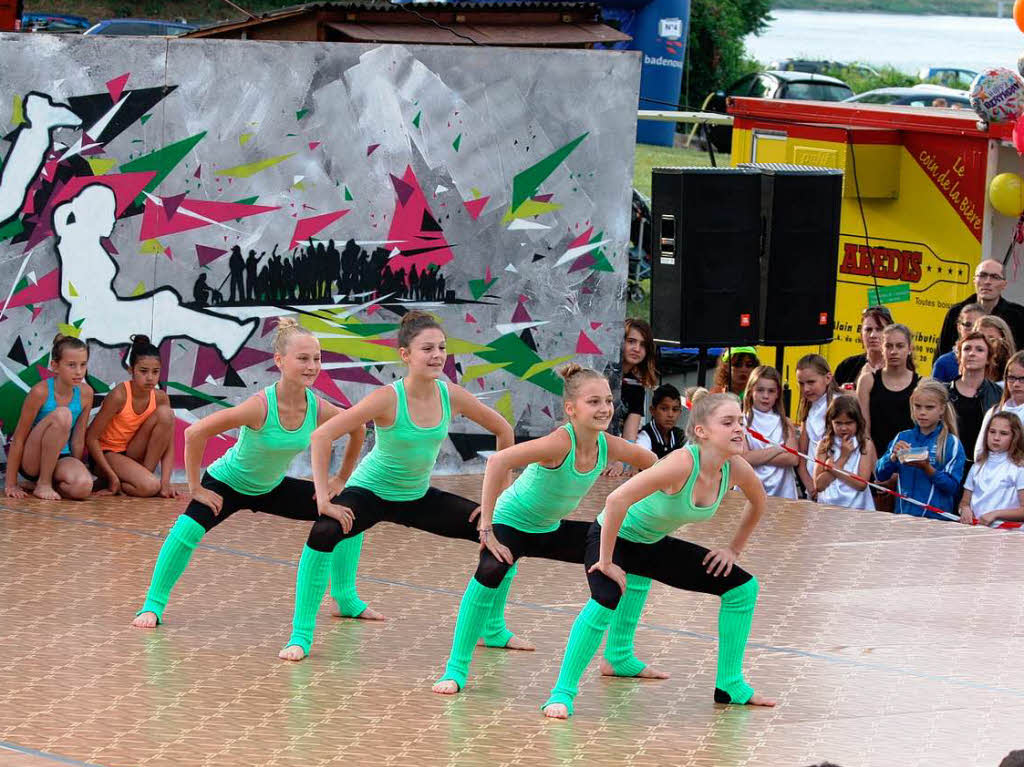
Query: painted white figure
[87,284]
[26,158]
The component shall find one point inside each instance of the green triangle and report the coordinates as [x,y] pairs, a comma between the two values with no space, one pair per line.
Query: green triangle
[196,393]
[78,323]
[247,200]
[22,284]
[301,113]
[526,183]
[416,119]
[479,287]
[457,142]
[511,349]
[348,194]
[163,161]
[145,119]
[97,384]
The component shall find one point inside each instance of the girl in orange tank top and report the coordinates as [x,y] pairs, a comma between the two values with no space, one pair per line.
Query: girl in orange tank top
[134,430]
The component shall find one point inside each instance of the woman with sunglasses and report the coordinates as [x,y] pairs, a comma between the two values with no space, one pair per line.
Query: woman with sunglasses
[733,370]
[873,320]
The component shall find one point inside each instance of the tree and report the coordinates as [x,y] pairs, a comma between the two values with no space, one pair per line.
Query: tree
[715,56]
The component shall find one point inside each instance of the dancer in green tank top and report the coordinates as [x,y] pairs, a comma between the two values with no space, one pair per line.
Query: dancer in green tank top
[529,519]
[392,483]
[631,536]
[275,426]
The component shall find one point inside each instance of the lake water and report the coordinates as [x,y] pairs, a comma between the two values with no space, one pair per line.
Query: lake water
[905,42]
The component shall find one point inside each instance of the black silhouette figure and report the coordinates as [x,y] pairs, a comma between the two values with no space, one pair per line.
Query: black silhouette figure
[250,274]
[237,266]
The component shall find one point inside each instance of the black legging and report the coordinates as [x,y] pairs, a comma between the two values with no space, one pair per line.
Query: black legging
[565,544]
[437,512]
[292,499]
[672,561]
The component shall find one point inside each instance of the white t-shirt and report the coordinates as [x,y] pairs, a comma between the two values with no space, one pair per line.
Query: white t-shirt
[814,425]
[994,484]
[777,480]
[1008,407]
[838,493]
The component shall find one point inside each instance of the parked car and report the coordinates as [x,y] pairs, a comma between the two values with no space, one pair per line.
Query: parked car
[923,95]
[821,66]
[140,27]
[53,22]
[953,77]
[773,84]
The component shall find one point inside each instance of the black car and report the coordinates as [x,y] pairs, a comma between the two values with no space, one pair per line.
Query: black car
[773,84]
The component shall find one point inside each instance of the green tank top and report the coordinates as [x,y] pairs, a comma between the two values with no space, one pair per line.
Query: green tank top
[256,464]
[541,497]
[652,518]
[398,468]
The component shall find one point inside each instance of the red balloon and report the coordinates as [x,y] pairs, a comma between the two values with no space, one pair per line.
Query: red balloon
[1018,14]
[1018,135]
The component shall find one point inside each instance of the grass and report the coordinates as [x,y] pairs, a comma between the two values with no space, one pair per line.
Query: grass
[648,157]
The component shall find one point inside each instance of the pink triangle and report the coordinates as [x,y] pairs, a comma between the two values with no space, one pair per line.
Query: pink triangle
[371,149]
[206,254]
[476,207]
[171,203]
[325,384]
[44,373]
[372,309]
[115,87]
[403,189]
[449,369]
[215,446]
[108,246]
[314,144]
[199,172]
[208,364]
[46,288]
[487,274]
[307,227]
[155,222]
[268,324]
[542,197]
[247,357]
[470,317]
[169,253]
[520,314]
[35,312]
[585,346]
[546,411]
[595,325]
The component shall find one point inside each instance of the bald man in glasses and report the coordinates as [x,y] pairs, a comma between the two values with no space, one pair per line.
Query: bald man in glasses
[989,284]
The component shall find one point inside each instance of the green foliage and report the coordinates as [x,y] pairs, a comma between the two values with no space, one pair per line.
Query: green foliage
[861,80]
[715,56]
[942,7]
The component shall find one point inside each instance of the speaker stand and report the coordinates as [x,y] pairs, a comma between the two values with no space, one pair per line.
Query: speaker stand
[702,366]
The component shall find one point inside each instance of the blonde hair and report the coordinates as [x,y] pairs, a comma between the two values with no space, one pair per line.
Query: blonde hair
[693,394]
[61,343]
[287,327]
[702,410]
[1018,360]
[573,377]
[768,373]
[898,327]
[819,365]
[1016,450]
[939,390]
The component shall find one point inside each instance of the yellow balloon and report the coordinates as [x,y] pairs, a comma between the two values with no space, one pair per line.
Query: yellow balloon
[1006,193]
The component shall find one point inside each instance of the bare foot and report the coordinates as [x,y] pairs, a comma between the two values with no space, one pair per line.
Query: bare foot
[760,700]
[369,614]
[292,652]
[514,643]
[446,687]
[556,711]
[46,492]
[145,621]
[647,673]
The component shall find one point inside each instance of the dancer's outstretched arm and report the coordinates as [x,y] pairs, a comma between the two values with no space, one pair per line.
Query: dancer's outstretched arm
[326,412]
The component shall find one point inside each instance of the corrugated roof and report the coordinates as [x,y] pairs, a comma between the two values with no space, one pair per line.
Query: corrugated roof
[482,34]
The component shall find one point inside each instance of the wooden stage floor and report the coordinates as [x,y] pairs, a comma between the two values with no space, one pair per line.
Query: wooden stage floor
[889,641]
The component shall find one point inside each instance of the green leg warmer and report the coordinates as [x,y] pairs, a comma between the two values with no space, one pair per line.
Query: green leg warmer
[476,606]
[618,650]
[734,618]
[174,557]
[344,563]
[584,639]
[495,632]
[310,585]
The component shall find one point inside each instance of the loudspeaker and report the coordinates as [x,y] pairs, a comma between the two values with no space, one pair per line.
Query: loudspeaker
[706,265]
[801,207]
[744,255]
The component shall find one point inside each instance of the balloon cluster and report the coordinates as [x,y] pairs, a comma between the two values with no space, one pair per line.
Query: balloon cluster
[997,95]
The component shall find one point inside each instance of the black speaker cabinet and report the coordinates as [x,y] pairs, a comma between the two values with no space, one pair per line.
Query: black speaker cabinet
[744,255]
[706,270]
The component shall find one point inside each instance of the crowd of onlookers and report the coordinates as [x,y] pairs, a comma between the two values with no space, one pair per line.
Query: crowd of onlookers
[949,445]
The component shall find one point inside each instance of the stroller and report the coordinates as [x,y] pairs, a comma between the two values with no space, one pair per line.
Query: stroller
[640,247]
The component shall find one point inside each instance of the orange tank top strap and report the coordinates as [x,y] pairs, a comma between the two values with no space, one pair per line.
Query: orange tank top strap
[125,423]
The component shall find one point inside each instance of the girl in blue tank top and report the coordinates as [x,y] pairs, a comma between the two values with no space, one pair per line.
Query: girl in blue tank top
[274,426]
[48,444]
[632,535]
[392,482]
[529,518]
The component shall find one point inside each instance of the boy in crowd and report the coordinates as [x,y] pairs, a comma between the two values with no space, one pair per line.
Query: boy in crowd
[660,434]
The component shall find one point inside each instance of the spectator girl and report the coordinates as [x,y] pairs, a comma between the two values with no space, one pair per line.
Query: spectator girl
[884,395]
[973,394]
[1012,400]
[994,490]
[636,374]
[733,370]
[817,389]
[763,412]
[845,446]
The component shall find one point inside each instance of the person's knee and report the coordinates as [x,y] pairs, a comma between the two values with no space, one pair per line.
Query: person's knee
[146,486]
[606,594]
[325,535]
[202,515]
[164,417]
[490,572]
[61,417]
[745,594]
[77,489]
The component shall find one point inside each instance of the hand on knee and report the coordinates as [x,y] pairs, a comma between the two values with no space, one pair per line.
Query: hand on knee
[325,535]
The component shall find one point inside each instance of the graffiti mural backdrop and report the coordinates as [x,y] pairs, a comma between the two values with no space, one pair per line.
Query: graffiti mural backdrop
[196,190]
